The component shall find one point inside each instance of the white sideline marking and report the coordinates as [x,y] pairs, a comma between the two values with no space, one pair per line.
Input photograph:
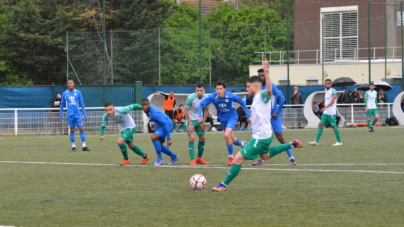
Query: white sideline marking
[214,167]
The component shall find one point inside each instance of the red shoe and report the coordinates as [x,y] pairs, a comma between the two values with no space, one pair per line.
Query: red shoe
[230,161]
[144,160]
[202,161]
[125,162]
[193,163]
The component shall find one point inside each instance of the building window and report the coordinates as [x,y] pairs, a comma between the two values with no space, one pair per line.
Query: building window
[339,33]
[283,83]
[312,82]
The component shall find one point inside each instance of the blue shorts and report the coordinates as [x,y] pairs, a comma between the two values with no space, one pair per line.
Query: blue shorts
[74,120]
[161,131]
[276,124]
[229,123]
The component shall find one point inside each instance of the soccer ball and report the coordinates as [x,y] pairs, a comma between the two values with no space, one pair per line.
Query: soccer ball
[197,182]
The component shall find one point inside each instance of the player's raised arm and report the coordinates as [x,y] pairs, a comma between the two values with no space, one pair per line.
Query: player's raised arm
[265,66]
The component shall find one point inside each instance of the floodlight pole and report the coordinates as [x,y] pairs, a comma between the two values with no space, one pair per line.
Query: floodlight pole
[104,43]
[200,41]
[369,61]
[287,47]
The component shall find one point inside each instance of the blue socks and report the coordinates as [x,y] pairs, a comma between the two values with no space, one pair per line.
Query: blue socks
[238,143]
[289,152]
[168,152]
[230,149]
[83,137]
[72,137]
[157,147]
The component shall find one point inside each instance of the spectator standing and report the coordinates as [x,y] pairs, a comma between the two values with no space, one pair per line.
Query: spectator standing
[382,97]
[341,98]
[169,105]
[349,98]
[296,97]
[54,114]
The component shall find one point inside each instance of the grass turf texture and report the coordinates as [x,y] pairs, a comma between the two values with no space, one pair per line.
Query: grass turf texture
[358,184]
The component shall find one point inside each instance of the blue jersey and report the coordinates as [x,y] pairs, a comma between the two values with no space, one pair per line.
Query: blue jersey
[160,119]
[224,106]
[277,99]
[72,100]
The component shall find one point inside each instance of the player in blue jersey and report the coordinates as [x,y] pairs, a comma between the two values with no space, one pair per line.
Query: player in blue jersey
[73,99]
[162,127]
[277,101]
[226,113]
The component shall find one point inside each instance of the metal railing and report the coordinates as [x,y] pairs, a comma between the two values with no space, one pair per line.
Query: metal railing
[331,55]
[42,121]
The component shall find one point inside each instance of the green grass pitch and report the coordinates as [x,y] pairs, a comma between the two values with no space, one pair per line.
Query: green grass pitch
[361,183]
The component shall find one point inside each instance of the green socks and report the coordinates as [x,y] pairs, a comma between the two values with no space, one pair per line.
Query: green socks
[319,132]
[201,148]
[369,126]
[274,150]
[124,150]
[374,122]
[233,172]
[336,131]
[191,150]
[139,151]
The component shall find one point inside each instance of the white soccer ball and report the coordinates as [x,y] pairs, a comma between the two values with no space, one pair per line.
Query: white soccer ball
[197,182]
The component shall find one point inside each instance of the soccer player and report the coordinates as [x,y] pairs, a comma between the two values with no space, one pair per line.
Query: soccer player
[277,101]
[126,125]
[162,126]
[371,102]
[226,113]
[179,117]
[261,130]
[329,114]
[193,126]
[72,98]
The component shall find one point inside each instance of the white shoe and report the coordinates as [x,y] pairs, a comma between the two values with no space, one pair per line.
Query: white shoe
[214,129]
[314,143]
[337,144]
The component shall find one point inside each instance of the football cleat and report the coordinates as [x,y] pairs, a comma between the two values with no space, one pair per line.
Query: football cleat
[125,162]
[86,149]
[219,188]
[296,144]
[158,162]
[293,161]
[230,161]
[202,161]
[259,162]
[314,143]
[337,144]
[73,148]
[144,160]
[193,163]
[173,160]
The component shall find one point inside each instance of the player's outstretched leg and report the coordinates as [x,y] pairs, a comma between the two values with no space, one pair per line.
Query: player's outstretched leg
[124,152]
[318,136]
[201,148]
[138,151]
[168,152]
[83,139]
[72,140]
[157,147]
